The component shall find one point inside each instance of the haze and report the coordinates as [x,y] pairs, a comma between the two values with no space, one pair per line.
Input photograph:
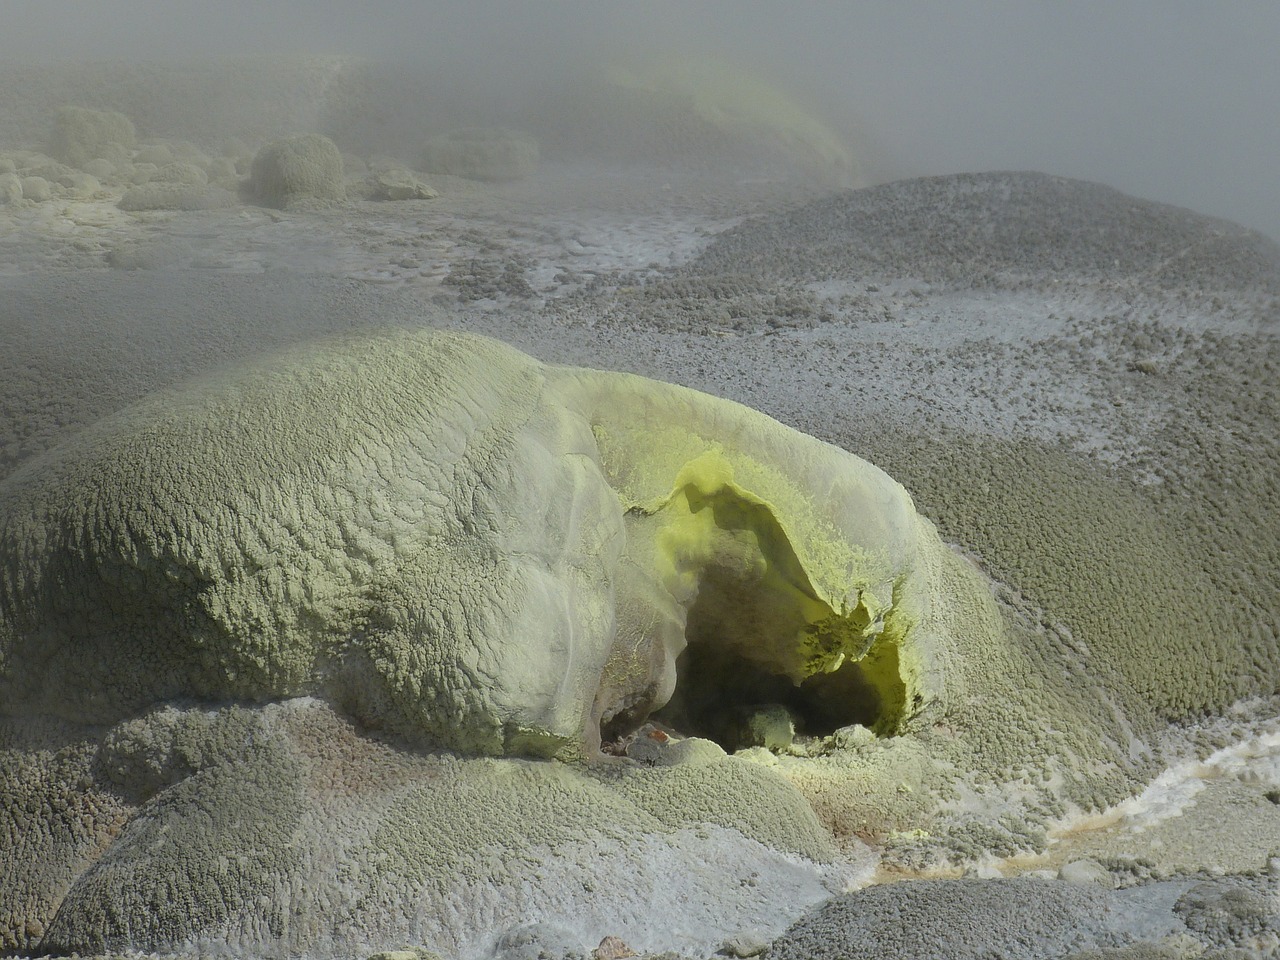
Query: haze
[1172,101]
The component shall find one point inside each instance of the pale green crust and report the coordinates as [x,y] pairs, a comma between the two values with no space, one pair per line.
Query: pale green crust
[469,549]
[249,828]
[1104,567]
[753,800]
[452,542]
[275,534]
[237,816]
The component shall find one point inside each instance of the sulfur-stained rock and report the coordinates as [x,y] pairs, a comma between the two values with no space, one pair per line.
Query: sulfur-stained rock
[624,551]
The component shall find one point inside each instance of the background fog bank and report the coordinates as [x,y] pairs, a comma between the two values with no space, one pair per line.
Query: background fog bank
[1174,101]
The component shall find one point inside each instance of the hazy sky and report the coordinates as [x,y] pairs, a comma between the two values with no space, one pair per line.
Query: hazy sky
[1169,99]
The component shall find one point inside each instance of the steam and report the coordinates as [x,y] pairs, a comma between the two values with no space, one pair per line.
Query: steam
[1172,101]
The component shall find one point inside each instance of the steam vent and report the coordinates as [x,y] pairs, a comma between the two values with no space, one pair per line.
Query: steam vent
[483,504]
[518,556]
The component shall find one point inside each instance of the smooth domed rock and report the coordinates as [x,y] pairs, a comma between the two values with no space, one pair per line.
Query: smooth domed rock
[308,167]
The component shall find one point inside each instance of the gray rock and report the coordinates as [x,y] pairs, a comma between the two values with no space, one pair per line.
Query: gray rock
[748,943]
[976,228]
[413,953]
[1086,873]
[1230,913]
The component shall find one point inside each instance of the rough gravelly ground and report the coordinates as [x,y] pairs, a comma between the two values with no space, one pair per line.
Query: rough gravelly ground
[1055,371]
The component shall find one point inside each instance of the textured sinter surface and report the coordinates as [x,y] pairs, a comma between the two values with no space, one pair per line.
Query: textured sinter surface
[1101,442]
[462,547]
[283,830]
[454,544]
[308,167]
[992,227]
[430,529]
[1021,919]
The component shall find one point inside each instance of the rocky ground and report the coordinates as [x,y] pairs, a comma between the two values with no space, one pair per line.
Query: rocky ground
[1054,370]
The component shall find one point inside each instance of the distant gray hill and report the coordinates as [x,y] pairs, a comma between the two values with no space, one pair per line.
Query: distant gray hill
[985,228]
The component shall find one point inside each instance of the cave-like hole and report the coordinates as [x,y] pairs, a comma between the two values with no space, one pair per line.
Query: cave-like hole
[731,673]
[754,625]
[718,692]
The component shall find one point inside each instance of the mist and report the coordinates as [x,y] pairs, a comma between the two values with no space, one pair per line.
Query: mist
[1171,101]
